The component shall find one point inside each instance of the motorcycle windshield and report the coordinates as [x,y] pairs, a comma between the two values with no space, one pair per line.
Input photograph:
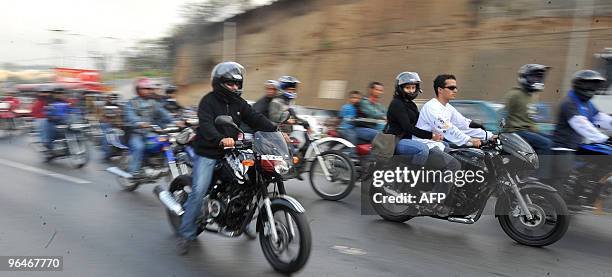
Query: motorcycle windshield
[271,144]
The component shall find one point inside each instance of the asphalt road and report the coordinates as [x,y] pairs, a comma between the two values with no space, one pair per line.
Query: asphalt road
[82,215]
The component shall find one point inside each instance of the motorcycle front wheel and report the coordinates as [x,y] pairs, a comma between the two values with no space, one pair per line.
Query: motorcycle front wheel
[340,171]
[549,222]
[292,249]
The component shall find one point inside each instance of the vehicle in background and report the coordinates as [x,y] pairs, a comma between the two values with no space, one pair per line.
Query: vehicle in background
[490,114]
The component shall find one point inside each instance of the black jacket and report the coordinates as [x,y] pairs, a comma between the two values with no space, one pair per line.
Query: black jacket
[402,117]
[262,105]
[218,103]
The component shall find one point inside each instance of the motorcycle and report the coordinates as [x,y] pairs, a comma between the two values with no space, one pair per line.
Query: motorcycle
[529,212]
[331,173]
[239,193]
[590,181]
[7,118]
[68,135]
[159,159]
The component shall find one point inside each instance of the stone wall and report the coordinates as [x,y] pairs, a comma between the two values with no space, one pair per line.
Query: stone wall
[353,42]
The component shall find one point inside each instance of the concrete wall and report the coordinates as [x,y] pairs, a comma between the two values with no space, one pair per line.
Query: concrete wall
[357,41]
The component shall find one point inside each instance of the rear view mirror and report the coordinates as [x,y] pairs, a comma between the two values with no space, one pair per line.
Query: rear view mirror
[225,120]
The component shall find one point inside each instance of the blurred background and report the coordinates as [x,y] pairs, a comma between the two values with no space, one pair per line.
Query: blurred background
[332,46]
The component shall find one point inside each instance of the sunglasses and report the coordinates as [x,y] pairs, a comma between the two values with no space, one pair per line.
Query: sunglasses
[451,88]
[233,83]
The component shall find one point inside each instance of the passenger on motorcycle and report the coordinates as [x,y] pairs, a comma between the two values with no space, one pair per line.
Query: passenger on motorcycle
[520,105]
[140,112]
[370,107]
[578,122]
[440,116]
[263,104]
[402,117]
[280,106]
[227,79]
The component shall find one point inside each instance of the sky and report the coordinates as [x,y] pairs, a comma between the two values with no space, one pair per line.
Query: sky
[107,26]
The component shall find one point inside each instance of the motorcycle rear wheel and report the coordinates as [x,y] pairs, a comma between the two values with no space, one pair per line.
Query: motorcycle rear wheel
[342,172]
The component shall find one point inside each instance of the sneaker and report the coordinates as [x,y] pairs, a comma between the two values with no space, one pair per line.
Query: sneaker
[182,246]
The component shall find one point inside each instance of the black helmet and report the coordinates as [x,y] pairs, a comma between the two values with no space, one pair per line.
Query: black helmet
[586,83]
[531,76]
[227,72]
[170,89]
[407,78]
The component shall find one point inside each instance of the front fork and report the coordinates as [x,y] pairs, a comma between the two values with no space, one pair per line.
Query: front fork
[268,207]
[519,197]
[321,161]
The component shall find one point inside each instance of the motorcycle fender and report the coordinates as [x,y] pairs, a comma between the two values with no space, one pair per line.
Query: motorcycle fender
[536,185]
[529,185]
[346,143]
[283,200]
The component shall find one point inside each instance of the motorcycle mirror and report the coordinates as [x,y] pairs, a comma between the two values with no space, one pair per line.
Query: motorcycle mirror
[476,124]
[225,120]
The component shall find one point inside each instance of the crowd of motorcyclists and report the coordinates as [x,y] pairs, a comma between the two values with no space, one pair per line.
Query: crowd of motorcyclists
[425,135]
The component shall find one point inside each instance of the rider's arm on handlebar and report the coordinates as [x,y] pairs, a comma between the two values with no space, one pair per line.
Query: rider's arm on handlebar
[436,116]
[604,121]
[586,129]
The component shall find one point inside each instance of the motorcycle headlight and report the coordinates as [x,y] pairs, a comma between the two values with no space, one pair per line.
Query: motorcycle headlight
[281,167]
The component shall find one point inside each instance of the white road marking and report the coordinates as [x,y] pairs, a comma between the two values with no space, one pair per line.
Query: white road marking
[43,172]
[349,250]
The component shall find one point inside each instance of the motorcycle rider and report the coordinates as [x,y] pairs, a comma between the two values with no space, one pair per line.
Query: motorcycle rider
[110,118]
[38,112]
[520,103]
[57,111]
[263,104]
[140,112]
[170,103]
[578,121]
[347,114]
[14,103]
[225,99]
[440,116]
[402,116]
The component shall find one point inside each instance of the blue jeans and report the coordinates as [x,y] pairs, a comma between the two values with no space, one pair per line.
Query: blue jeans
[41,128]
[365,135]
[48,133]
[203,169]
[541,145]
[104,144]
[418,150]
[137,149]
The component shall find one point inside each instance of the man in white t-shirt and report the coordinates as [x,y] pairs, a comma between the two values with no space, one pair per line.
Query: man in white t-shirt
[438,116]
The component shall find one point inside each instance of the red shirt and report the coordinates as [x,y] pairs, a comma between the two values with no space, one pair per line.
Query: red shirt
[38,109]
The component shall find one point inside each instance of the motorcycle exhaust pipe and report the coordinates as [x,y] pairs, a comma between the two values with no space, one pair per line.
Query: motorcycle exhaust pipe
[461,220]
[119,172]
[166,198]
